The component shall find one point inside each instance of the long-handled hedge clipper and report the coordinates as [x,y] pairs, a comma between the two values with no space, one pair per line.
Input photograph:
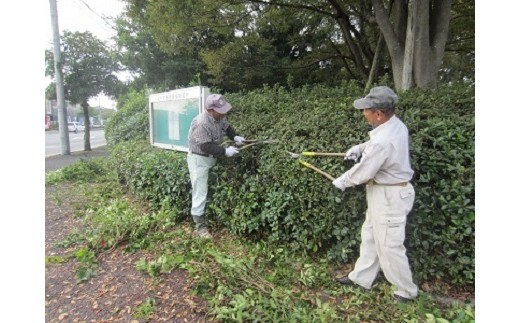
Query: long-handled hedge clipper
[309,165]
[251,143]
[256,142]
[312,153]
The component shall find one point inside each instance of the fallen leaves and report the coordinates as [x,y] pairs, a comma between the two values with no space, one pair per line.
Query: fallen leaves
[118,287]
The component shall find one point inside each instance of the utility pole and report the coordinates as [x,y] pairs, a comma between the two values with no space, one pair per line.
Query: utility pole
[60,92]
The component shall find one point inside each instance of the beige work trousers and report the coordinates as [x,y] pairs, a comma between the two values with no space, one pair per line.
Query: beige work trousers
[382,239]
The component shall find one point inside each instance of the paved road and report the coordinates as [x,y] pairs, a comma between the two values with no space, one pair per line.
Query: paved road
[76,141]
[54,160]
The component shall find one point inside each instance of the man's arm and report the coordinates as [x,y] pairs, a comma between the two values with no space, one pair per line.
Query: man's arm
[231,133]
[212,148]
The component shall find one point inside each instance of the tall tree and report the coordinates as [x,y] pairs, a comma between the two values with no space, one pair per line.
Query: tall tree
[151,66]
[89,69]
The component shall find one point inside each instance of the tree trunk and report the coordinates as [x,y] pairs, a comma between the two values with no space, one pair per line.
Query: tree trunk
[375,63]
[431,33]
[86,137]
[352,47]
[343,20]
[409,47]
[393,44]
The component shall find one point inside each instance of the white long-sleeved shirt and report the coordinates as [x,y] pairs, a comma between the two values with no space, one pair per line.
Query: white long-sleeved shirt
[385,157]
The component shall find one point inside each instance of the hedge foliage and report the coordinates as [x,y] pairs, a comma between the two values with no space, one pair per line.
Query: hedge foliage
[131,120]
[265,194]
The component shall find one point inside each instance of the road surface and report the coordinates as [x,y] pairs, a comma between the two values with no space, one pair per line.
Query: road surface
[53,143]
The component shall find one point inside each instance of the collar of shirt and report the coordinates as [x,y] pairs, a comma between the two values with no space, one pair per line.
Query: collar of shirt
[379,130]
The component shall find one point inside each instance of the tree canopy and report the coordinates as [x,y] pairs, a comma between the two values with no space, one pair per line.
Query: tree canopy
[89,67]
[240,45]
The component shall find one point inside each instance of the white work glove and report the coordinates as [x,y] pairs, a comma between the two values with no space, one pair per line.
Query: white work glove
[339,183]
[231,150]
[353,153]
[239,141]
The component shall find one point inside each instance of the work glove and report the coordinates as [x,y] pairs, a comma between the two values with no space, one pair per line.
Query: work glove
[231,150]
[339,183]
[239,141]
[353,153]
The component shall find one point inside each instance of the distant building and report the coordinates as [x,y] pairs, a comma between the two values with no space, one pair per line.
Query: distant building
[51,110]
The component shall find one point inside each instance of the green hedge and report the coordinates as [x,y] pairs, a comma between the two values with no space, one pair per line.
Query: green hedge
[265,194]
[131,121]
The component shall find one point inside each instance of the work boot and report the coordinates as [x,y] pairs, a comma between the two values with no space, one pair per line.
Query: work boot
[402,299]
[202,233]
[345,281]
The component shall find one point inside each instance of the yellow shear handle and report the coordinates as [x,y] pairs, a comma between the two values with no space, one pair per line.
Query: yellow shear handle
[312,153]
[306,164]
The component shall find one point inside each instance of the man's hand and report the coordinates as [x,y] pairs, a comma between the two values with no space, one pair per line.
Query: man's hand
[231,150]
[239,141]
[353,153]
[339,183]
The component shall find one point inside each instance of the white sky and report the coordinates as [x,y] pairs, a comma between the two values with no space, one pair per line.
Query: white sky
[86,15]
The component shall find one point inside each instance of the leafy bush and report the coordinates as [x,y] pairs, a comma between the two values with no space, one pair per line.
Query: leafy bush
[84,170]
[117,221]
[131,120]
[155,175]
[265,194]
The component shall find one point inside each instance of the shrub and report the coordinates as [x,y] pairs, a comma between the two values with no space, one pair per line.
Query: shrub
[155,175]
[131,120]
[85,170]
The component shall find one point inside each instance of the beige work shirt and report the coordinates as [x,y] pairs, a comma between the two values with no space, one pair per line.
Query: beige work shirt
[385,157]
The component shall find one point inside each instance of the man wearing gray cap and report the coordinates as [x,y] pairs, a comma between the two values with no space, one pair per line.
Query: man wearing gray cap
[205,137]
[385,169]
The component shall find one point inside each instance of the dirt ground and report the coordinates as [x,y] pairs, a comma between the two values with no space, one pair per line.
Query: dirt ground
[118,289]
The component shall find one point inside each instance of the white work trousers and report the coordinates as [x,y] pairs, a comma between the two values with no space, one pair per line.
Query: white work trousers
[382,239]
[199,167]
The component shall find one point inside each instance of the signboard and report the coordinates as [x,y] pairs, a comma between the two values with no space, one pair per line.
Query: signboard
[171,114]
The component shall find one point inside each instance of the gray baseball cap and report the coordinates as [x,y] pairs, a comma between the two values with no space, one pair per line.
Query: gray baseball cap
[217,103]
[380,97]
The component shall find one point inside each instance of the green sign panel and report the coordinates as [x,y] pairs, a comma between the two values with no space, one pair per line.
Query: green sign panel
[171,114]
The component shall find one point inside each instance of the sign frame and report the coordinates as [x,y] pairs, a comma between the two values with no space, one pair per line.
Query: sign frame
[170,116]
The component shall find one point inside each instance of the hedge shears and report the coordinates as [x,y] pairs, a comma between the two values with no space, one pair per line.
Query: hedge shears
[251,142]
[311,166]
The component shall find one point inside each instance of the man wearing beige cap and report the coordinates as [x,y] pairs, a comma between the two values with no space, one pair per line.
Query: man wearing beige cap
[385,169]
[205,137]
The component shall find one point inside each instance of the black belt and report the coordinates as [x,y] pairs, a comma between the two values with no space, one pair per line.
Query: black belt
[201,154]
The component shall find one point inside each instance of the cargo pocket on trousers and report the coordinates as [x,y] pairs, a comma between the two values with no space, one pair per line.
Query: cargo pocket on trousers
[407,196]
[394,232]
